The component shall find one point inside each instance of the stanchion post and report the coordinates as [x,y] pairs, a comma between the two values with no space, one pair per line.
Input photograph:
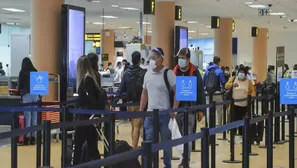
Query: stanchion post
[265,110]
[186,145]
[205,148]
[249,114]
[257,104]
[277,121]
[246,143]
[112,133]
[269,128]
[38,142]
[207,121]
[213,137]
[107,135]
[47,143]
[291,139]
[147,155]
[194,131]
[283,125]
[224,122]
[14,145]
[156,136]
[65,111]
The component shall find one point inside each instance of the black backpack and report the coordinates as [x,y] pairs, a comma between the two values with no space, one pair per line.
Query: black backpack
[134,86]
[123,146]
[171,93]
[212,81]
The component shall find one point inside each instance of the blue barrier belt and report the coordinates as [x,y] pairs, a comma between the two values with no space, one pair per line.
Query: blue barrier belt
[241,100]
[112,159]
[258,97]
[18,132]
[226,127]
[126,104]
[38,109]
[88,111]
[280,114]
[223,103]
[79,123]
[175,142]
[258,119]
[132,115]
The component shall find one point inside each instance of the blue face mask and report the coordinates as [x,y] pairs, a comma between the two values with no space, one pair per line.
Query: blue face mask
[241,75]
[182,63]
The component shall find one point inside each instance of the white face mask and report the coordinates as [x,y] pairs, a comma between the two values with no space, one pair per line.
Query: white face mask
[153,64]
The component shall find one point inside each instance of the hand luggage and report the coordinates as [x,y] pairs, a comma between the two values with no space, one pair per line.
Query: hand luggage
[257,131]
[21,126]
[123,146]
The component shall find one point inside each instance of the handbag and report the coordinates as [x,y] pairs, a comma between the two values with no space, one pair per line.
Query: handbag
[229,92]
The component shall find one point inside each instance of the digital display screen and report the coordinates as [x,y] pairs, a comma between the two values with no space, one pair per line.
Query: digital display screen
[183,38]
[76,42]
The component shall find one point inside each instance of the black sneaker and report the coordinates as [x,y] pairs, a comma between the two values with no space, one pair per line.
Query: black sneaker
[32,141]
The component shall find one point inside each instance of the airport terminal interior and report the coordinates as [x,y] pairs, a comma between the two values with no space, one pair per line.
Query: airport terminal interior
[224,50]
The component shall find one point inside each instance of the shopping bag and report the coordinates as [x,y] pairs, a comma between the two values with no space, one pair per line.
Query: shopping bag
[175,134]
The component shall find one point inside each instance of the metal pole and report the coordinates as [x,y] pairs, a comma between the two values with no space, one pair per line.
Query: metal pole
[14,140]
[47,143]
[156,136]
[213,137]
[147,155]
[205,148]
[224,122]
[269,128]
[291,139]
[38,141]
[65,110]
[245,143]
[112,135]
[141,27]
[186,145]
[283,125]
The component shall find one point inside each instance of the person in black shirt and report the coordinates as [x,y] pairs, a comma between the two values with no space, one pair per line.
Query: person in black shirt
[24,87]
[89,97]
[185,68]
[94,61]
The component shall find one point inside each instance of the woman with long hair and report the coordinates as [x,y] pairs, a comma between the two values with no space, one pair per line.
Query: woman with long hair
[24,86]
[94,62]
[88,90]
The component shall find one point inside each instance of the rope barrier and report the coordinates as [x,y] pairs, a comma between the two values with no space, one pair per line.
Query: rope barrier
[18,132]
[258,119]
[280,114]
[226,127]
[79,123]
[38,109]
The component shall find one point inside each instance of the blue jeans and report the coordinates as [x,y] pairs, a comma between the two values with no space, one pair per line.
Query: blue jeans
[165,135]
[30,116]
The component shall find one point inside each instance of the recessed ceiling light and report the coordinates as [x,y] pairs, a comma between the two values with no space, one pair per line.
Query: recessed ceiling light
[192,31]
[292,20]
[145,23]
[97,23]
[204,34]
[13,10]
[191,22]
[248,3]
[208,26]
[10,23]
[115,6]
[95,1]
[277,13]
[109,17]
[129,8]
[257,6]
[124,27]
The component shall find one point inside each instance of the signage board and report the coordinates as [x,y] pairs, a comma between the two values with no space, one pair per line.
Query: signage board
[263,12]
[39,83]
[288,91]
[178,13]
[149,7]
[215,22]
[280,56]
[186,88]
[92,37]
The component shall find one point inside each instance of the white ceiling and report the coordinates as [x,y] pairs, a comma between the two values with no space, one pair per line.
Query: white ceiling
[193,10]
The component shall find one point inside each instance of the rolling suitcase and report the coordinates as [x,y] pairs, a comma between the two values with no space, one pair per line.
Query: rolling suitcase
[257,131]
[21,126]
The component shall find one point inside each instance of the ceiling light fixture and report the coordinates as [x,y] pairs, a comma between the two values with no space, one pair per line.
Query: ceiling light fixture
[95,1]
[208,26]
[124,27]
[191,22]
[129,8]
[203,34]
[248,3]
[149,31]
[97,23]
[145,23]
[115,6]
[13,10]
[192,31]
[257,6]
[277,13]
[292,20]
[109,17]
[10,23]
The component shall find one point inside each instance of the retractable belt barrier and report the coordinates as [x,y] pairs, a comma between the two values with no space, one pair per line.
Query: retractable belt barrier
[149,149]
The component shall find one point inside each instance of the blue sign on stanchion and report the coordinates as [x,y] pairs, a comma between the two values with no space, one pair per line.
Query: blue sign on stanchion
[39,83]
[186,88]
[288,91]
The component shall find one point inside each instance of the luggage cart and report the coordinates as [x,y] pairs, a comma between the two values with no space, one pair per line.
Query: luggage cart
[54,117]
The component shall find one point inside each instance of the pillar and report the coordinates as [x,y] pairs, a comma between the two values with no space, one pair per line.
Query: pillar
[163,29]
[147,40]
[46,38]
[223,42]
[108,46]
[260,54]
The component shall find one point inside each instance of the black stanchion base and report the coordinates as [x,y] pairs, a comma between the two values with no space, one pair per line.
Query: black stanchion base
[232,161]
[264,146]
[196,151]
[279,142]
[173,158]
[222,139]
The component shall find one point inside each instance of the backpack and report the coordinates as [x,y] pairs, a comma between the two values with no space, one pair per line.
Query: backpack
[212,81]
[123,146]
[134,86]
[170,91]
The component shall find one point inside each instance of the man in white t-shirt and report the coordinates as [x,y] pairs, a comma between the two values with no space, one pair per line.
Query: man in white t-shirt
[156,94]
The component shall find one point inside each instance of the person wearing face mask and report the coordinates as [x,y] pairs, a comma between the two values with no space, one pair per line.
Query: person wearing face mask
[242,88]
[227,73]
[287,71]
[270,78]
[185,68]
[155,95]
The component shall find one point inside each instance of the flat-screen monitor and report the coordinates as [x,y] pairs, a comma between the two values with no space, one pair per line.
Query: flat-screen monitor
[73,46]
[181,40]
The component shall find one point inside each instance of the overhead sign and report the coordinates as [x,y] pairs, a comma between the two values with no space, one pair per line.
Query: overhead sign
[215,22]
[186,88]
[233,25]
[264,12]
[178,13]
[96,44]
[39,83]
[92,37]
[255,31]
[104,57]
[149,7]
[280,56]
[288,91]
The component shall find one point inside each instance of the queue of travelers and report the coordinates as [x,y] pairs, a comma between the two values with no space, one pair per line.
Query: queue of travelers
[153,85]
